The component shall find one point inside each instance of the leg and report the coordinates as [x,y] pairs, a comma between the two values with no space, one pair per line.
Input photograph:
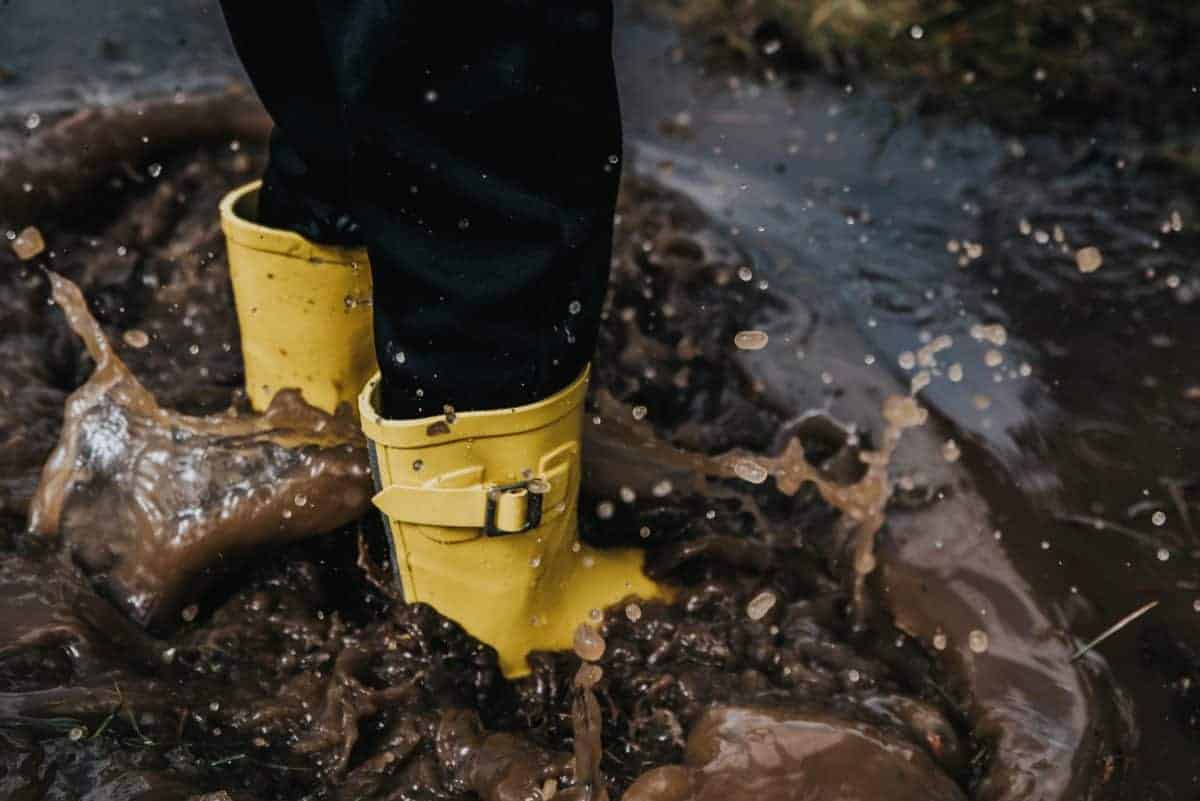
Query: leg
[486,145]
[304,187]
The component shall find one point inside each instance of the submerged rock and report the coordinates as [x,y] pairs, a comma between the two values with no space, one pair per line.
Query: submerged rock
[736,754]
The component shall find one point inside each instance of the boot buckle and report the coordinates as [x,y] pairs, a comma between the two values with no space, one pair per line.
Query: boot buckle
[535,489]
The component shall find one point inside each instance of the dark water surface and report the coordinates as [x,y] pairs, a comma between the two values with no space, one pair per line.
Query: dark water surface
[1084,421]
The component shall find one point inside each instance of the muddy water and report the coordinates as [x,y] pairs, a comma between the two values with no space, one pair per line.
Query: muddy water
[866,223]
[290,671]
[150,502]
[1069,394]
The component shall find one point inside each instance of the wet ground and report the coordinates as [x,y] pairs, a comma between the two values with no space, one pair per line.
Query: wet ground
[876,250]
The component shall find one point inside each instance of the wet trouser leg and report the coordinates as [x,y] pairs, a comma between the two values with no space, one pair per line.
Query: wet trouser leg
[475,152]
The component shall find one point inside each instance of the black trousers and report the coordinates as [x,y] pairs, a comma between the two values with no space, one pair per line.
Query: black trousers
[475,150]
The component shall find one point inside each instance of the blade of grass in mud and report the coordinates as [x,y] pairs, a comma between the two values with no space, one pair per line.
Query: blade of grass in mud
[1113,629]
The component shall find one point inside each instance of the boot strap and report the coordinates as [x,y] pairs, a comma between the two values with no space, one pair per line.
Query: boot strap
[496,509]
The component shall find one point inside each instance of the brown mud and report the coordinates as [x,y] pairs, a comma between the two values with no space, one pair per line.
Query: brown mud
[149,502]
[296,676]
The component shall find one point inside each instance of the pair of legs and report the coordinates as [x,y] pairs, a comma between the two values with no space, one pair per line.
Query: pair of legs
[475,153]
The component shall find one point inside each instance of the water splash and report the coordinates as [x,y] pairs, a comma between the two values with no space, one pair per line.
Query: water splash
[863,503]
[148,500]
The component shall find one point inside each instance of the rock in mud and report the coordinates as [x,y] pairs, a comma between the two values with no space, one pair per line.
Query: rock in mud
[736,754]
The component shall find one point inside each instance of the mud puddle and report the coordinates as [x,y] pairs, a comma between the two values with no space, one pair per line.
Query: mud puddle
[891,236]
[1039,287]
[294,674]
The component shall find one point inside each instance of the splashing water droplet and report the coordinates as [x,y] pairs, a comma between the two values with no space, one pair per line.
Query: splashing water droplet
[750,471]
[1163,554]
[605,510]
[940,641]
[136,338]
[1158,518]
[760,605]
[1089,259]
[588,676]
[633,612]
[155,170]
[978,641]
[750,340]
[28,243]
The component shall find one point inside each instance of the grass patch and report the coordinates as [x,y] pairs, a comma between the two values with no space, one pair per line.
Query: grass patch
[1011,62]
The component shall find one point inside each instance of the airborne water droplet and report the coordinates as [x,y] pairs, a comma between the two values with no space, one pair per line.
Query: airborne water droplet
[750,340]
[587,677]
[977,641]
[750,471]
[136,338]
[760,605]
[28,243]
[1089,259]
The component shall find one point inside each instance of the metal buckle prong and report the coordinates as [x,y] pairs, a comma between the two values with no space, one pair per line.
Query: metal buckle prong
[535,488]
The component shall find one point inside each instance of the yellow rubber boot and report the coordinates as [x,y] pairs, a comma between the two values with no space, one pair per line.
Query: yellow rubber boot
[483,512]
[304,310]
